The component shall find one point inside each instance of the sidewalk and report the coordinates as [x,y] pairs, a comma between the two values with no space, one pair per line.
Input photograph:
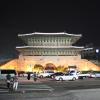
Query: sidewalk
[26,86]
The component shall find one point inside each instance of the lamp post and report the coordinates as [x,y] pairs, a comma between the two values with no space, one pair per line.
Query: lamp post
[97,54]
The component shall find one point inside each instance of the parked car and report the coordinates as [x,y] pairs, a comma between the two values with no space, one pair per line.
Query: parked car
[97,75]
[92,75]
[66,77]
[45,74]
[56,74]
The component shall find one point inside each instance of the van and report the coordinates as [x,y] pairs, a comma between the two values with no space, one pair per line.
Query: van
[3,73]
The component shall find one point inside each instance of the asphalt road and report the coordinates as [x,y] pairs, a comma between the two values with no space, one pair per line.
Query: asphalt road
[87,89]
[89,83]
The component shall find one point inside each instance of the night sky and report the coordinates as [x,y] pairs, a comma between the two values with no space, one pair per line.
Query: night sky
[78,17]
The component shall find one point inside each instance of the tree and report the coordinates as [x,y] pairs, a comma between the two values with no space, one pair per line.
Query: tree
[50,66]
[38,68]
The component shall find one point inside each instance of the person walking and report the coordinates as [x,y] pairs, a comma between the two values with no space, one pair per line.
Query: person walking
[35,76]
[11,84]
[28,76]
[8,78]
[15,84]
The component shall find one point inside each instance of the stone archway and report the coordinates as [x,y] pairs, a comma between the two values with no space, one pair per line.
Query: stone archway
[50,66]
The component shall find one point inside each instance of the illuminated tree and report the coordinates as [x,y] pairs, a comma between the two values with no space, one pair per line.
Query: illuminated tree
[50,66]
[61,69]
[38,68]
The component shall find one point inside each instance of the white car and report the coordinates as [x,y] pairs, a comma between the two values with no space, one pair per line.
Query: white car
[97,75]
[45,74]
[66,77]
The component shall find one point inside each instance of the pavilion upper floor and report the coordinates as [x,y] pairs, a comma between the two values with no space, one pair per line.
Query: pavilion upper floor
[49,39]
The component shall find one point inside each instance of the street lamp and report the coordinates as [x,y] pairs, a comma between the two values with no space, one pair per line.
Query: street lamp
[97,54]
[97,50]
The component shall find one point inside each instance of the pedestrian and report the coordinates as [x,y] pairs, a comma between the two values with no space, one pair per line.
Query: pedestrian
[28,76]
[15,84]
[35,76]
[11,84]
[8,78]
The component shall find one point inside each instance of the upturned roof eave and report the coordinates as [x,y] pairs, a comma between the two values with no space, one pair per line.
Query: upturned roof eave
[23,47]
[58,33]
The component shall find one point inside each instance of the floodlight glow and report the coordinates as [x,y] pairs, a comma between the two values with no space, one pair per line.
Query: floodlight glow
[97,50]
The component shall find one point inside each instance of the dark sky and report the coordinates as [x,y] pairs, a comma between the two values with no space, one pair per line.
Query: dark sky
[78,17]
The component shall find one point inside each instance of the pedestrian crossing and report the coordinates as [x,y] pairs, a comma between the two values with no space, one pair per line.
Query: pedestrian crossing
[28,88]
[4,90]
